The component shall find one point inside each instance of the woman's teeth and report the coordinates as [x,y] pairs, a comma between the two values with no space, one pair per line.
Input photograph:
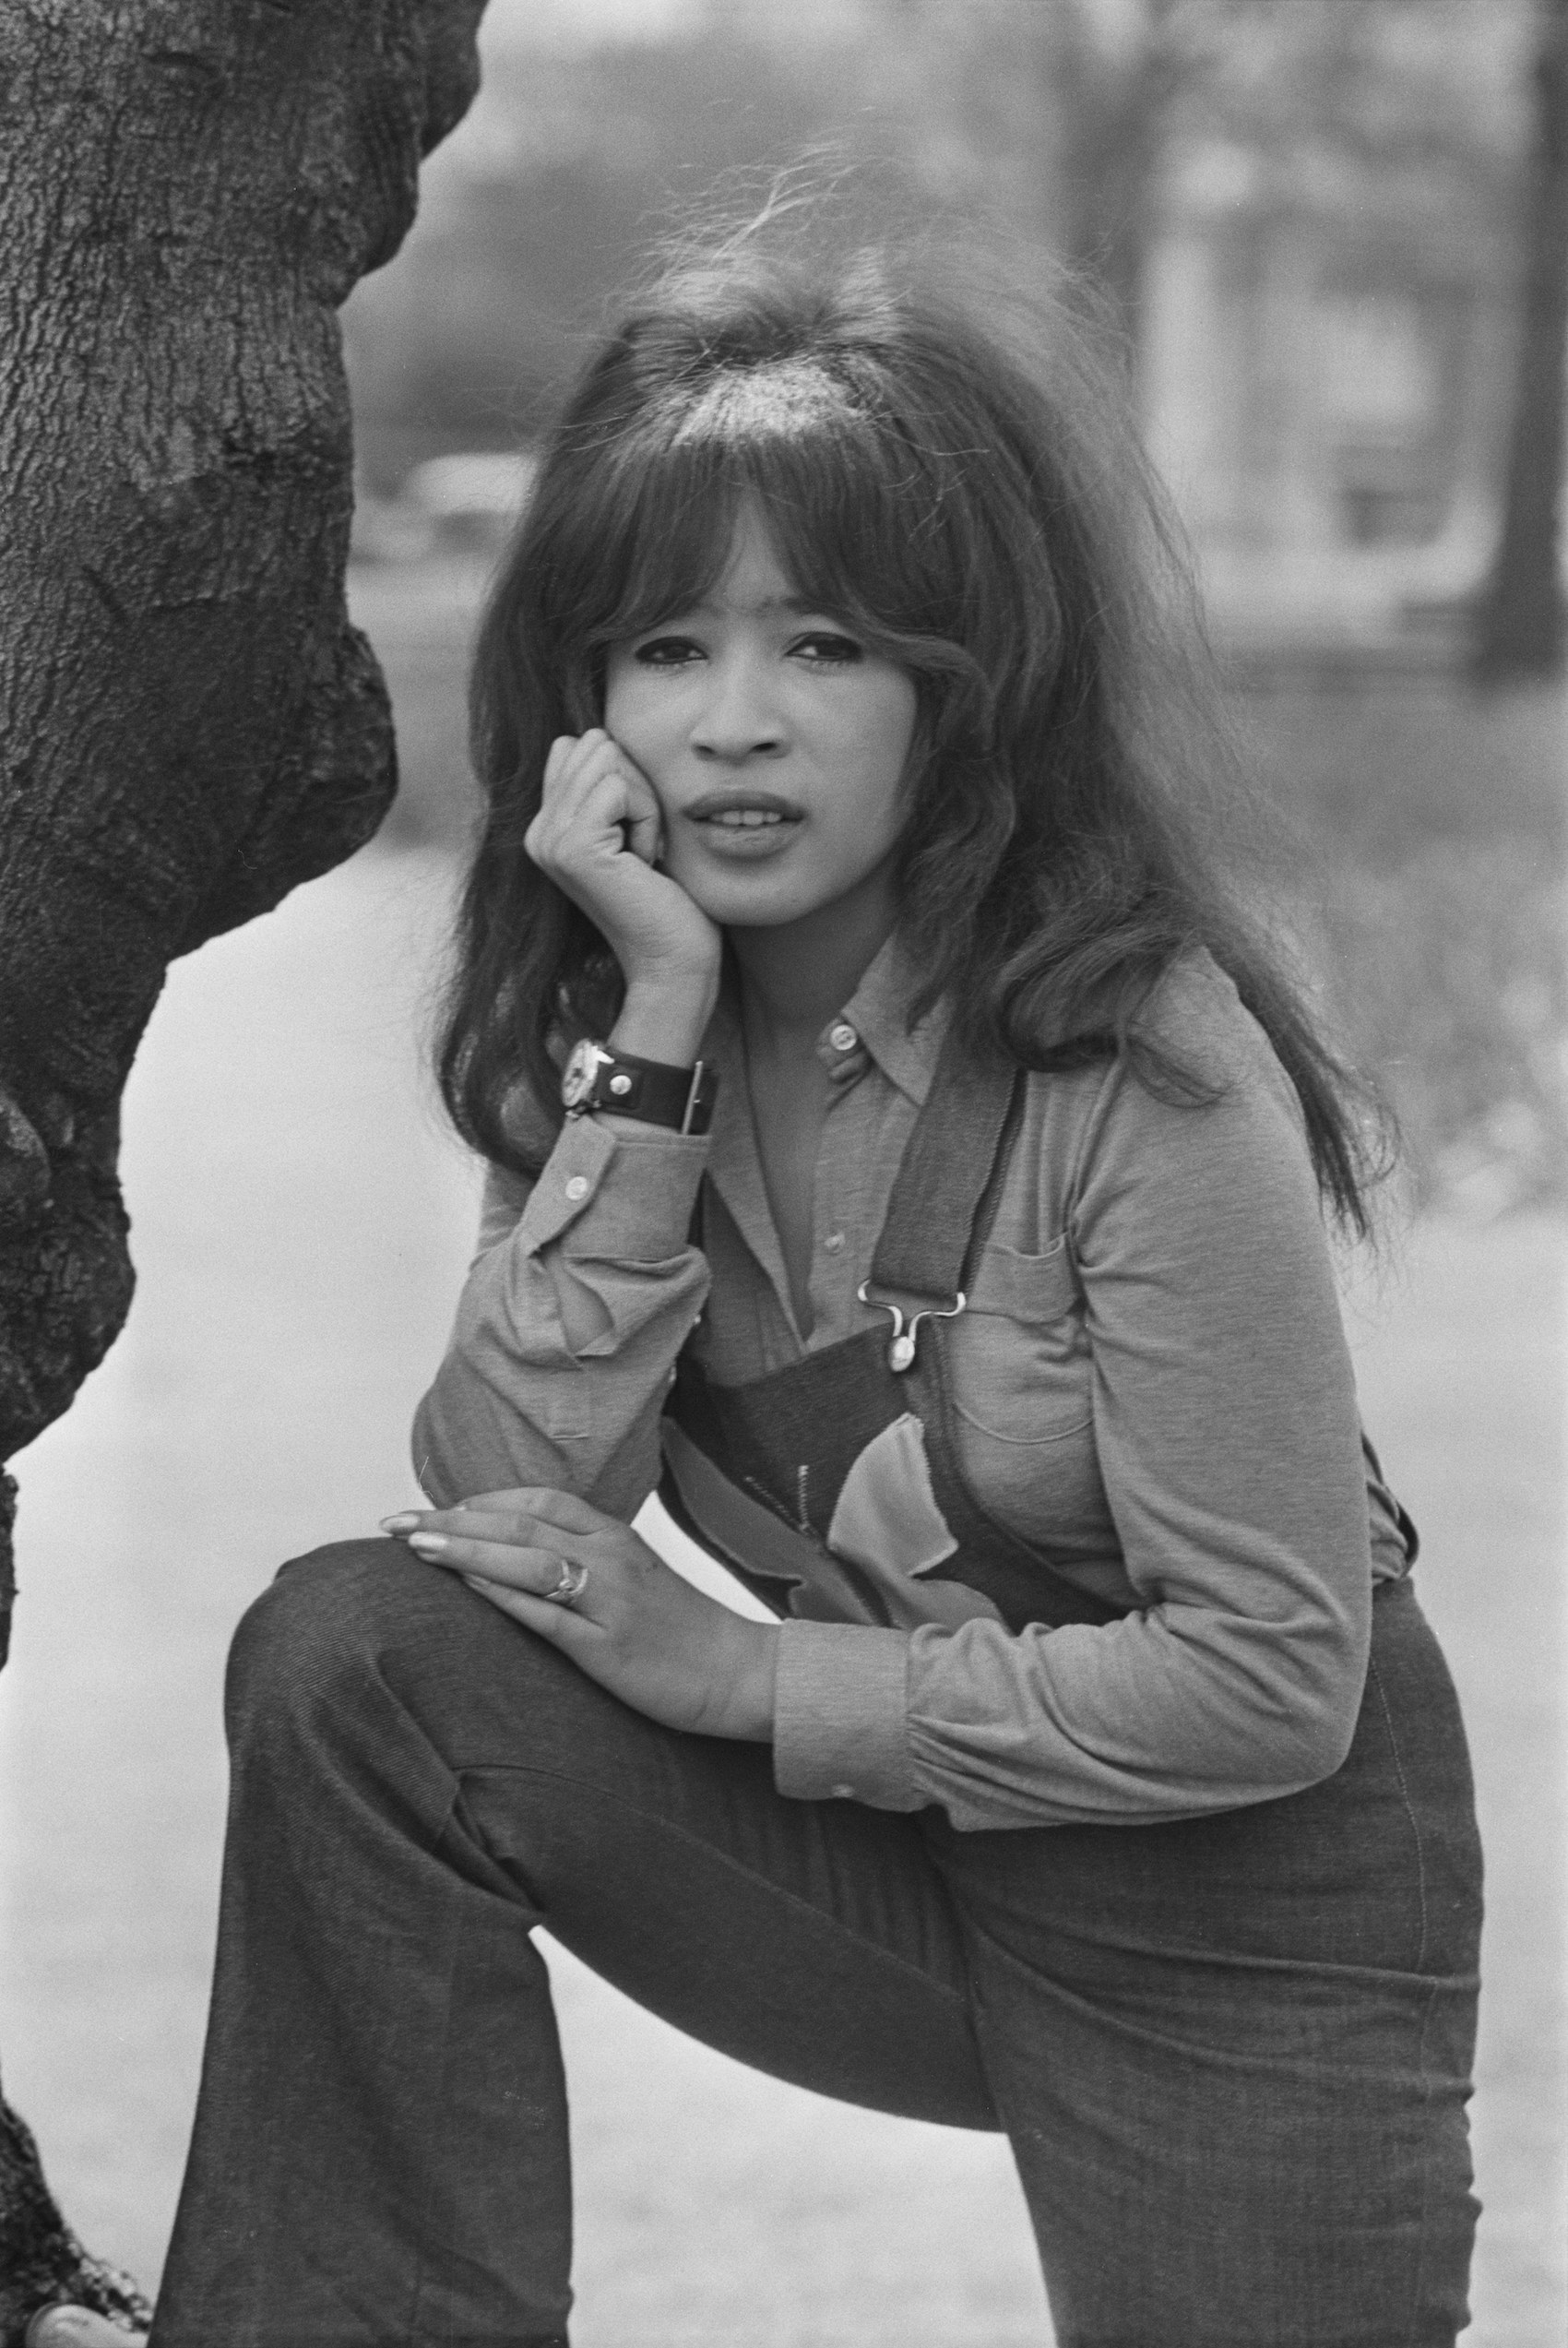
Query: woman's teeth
[747,818]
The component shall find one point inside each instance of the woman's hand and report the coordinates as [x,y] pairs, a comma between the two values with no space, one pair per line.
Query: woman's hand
[599,836]
[636,1626]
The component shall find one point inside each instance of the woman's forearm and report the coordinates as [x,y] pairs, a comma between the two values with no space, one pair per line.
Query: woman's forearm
[569,1327]
[1162,1716]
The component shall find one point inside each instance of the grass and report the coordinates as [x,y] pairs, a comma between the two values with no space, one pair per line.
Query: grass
[1434,819]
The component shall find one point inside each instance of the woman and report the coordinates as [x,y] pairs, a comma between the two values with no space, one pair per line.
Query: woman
[933,1213]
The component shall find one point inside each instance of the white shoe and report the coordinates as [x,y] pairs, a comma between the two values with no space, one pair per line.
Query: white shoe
[78,2328]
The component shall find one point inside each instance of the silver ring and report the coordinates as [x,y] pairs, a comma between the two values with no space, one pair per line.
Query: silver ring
[571,1586]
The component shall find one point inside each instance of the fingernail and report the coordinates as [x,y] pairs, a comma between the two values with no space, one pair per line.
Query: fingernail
[404,1523]
[424,1540]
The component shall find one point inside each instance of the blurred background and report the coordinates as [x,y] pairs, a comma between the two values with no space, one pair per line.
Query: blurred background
[1312,220]
[1320,226]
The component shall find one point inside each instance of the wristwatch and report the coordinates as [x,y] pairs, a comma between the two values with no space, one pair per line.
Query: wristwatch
[597,1078]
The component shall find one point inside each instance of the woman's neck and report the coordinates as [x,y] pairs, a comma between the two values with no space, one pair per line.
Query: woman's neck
[794,978]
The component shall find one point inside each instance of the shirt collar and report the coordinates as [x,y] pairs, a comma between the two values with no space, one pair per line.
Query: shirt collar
[878,1012]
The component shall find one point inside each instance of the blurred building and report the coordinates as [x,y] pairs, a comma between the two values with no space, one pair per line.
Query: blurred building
[1326,360]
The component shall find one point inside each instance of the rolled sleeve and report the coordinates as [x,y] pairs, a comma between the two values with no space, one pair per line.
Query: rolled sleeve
[840,1720]
[641,1215]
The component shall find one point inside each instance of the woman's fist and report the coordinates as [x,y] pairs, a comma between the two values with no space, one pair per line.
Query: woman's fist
[599,836]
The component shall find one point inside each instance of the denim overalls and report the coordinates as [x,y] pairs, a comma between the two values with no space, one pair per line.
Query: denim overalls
[1231,2053]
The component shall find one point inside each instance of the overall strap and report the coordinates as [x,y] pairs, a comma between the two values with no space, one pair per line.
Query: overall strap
[948,1180]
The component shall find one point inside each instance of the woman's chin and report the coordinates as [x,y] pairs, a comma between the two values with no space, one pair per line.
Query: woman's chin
[777,895]
[752,896]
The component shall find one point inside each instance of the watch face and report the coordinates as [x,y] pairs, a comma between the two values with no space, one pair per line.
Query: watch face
[576,1078]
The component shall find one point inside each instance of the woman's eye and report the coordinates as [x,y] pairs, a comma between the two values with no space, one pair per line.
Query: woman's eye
[667,652]
[824,648]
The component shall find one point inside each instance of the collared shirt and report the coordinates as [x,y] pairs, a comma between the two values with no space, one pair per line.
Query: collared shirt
[1151,1379]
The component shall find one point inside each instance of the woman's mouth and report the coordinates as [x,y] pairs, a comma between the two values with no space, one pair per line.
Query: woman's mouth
[743,823]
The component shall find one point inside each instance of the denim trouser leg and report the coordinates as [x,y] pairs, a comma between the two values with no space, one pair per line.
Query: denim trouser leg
[1231,2054]
[380,2151]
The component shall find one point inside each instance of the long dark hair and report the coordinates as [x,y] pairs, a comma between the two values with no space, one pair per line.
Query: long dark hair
[986,519]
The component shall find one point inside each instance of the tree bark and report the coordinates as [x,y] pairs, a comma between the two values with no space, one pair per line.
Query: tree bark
[188,725]
[1521,621]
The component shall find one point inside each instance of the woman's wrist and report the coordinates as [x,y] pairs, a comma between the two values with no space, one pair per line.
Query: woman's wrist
[666,1019]
[748,1660]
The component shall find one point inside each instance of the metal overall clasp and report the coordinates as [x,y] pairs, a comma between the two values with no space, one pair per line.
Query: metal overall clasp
[901,1352]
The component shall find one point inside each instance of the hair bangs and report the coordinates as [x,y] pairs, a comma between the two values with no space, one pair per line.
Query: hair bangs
[850,507]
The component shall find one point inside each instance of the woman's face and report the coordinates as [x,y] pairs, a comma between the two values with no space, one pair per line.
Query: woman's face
[776,743]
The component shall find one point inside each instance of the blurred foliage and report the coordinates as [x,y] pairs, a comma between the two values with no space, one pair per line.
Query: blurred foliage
[571,168]
[1067,111]
[1054,118]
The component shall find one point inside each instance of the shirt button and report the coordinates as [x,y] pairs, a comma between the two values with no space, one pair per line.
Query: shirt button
[842,1036]
[833,1243]
[578,1188]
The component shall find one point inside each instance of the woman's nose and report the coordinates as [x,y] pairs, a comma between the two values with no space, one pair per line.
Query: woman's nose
[739,718]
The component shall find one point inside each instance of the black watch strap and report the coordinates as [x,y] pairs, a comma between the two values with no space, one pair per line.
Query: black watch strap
[600,1078]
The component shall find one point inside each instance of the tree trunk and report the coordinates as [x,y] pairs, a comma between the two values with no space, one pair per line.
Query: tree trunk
[188,725]
[1521,621]
[1114,120]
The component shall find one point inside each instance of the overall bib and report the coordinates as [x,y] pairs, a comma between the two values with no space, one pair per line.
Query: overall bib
[755,1472]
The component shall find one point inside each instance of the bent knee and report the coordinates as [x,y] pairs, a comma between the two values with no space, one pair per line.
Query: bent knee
[361,1648]
[332,1612]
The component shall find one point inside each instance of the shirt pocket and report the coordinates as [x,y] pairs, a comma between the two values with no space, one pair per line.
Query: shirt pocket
[1020,1353]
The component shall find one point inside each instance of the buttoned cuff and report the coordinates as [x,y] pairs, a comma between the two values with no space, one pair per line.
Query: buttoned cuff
[622,1192]
[840,1726]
